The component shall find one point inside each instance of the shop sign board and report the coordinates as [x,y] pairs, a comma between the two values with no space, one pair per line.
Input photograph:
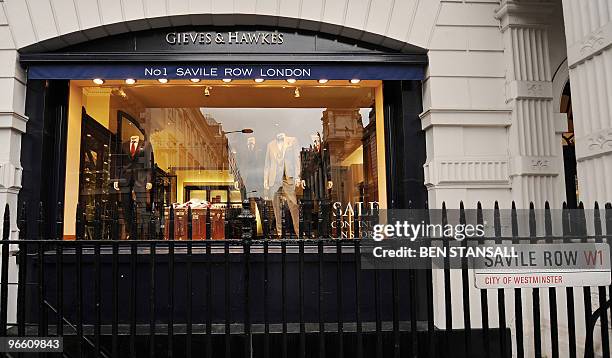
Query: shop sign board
[546,265]
[232,71]
[263,38]
[226,53]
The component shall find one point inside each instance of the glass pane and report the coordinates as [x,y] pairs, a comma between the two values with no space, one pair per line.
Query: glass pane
[295,163]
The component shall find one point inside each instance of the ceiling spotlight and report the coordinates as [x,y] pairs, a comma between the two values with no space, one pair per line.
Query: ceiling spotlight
[98,81]
[291,80]
[259,80]
[130,81]
[207,91]
[162,80]
[227,80]
[323,81]
[195,80]
[355,80]
[296,93]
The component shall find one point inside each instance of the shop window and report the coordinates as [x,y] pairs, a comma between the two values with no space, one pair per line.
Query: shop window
[296,157]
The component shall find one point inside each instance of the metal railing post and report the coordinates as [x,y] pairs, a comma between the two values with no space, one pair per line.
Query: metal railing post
[6,231]
[23,264]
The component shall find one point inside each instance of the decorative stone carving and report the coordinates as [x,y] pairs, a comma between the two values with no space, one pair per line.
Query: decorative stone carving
[594,144]
[529,90]
[595,40]
[590,45]
[535,89]
[536,165]
[478,171]
[539,163]
[530,13]
[10,177]
[600,141]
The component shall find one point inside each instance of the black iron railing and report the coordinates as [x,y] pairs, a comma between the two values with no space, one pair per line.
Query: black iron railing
[252,296]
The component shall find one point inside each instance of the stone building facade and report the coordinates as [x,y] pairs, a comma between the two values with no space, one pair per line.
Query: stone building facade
[491,94]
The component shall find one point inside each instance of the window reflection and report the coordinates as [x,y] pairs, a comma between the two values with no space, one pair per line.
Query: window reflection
[294,169]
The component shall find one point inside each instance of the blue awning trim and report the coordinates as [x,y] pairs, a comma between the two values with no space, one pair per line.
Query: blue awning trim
[234,71]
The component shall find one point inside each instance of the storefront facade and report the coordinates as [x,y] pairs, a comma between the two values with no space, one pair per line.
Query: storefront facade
[251,86]
[479,81]
[485,123]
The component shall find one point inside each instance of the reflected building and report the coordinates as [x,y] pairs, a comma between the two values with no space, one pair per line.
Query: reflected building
[342,140]
[193,147]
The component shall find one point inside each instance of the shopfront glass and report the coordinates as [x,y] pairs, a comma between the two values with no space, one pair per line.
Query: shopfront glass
[295,155]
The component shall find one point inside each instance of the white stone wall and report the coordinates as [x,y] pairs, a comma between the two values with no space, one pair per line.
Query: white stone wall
[12,118]
[465,115]
[467,126]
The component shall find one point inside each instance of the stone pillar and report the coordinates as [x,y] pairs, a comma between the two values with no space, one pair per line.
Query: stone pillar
[12,125]
[588,29]
[534,135]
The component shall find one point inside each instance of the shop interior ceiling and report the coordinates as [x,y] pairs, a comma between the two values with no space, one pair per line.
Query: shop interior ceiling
[245,93]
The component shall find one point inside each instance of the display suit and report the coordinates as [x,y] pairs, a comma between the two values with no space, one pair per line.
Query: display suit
[252,160]
[135,175]
[282,170]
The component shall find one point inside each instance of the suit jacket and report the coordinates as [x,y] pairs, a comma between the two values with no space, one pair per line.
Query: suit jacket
[251,165]
[137,170]
[282,160]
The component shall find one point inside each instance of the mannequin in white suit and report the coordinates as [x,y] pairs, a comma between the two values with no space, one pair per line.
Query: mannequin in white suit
[282,170]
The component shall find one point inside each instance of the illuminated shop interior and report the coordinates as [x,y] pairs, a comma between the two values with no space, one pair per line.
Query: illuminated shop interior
[212,145]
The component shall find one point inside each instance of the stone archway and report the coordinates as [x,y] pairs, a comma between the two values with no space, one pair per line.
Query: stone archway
[559,81]
[54,25]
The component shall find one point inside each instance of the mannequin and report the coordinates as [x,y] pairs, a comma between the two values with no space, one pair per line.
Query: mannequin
[251,163]
[135,176]
[282,171]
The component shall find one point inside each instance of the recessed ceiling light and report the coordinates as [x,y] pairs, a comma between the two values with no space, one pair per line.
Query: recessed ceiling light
[130,81]
[259,80]
[195,80]
[291,80]
[98,81]
[227,80]
[162,80]
[322,81]
[355,81]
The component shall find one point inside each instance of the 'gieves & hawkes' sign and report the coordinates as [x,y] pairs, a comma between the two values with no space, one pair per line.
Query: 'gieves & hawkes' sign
[225,38]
